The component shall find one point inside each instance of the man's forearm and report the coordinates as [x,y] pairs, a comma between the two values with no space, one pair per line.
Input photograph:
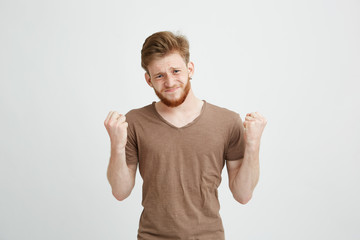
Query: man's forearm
[119,175]
[248,174]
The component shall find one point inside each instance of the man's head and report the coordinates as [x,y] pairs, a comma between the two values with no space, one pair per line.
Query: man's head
[165,58]
[161,43]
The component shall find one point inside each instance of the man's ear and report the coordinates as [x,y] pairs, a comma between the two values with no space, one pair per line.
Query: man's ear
[191,69]
[148,79]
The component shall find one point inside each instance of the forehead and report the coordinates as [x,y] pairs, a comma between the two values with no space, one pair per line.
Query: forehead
[170,60]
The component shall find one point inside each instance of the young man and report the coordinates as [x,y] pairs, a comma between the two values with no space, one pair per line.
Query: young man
[181,144]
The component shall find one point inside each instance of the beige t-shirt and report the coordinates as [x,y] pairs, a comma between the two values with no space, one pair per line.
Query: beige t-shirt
[181,170]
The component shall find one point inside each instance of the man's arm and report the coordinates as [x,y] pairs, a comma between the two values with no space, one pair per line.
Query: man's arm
[120,175]
[244,174]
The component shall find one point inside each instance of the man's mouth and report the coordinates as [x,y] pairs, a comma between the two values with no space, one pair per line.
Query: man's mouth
[171,89]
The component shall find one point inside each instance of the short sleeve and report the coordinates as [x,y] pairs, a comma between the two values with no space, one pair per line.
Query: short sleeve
[131,148]
[236,144]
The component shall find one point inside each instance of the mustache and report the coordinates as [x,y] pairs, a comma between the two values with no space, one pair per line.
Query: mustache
[172,87]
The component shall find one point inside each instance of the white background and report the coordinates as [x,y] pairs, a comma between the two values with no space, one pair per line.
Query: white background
[65,64]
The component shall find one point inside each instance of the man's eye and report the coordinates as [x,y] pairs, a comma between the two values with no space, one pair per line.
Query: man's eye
[159,76]
[176,71]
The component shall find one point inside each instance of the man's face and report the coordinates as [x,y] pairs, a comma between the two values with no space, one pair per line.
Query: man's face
[170,78]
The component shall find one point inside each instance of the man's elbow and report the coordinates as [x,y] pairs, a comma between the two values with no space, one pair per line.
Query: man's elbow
[120,197]
[243,199]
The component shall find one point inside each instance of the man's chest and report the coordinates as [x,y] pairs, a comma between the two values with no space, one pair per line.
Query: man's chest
[198,149]
[192,140]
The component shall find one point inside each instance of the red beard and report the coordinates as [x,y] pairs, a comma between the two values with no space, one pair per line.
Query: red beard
[177,102]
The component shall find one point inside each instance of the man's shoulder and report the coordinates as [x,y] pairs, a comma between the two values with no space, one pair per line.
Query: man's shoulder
[223,112]
[138,113]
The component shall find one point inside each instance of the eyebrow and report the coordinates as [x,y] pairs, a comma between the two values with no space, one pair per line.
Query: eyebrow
[172,68]
[158,73]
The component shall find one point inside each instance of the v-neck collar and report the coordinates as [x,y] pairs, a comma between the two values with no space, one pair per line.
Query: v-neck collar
[187,125]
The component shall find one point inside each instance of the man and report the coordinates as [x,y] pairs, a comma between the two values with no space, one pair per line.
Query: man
[181,144]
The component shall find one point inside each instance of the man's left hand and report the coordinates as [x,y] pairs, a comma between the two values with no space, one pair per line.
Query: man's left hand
[254,125]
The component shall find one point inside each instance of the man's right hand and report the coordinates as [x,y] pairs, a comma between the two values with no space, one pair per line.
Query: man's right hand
[116,126]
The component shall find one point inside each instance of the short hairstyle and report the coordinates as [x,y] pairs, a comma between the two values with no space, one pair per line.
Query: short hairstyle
[161,43]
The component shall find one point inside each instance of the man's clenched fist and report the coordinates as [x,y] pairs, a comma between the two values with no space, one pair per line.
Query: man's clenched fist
[116,126]
[254,125]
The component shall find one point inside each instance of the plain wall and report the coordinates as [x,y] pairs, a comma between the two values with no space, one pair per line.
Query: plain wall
[65,64]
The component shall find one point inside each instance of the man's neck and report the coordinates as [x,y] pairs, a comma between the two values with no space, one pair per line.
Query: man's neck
[191,104]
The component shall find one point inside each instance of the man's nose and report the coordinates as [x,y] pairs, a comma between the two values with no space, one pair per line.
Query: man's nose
[169,80]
